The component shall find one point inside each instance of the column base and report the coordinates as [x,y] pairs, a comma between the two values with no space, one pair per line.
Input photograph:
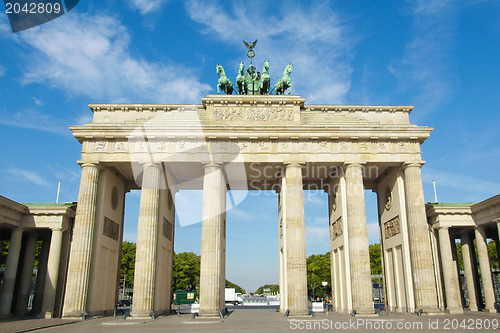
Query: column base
[454,311]
[210,313]
[365,312]
[76,314]
[430,311]
[472,308]
[5,316]
[489,310]
[140,315]
[46,315]
[299,313]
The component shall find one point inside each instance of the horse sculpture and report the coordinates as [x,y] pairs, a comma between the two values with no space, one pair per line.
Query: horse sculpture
[285,82]
[240,80]
[224,84]
[265,81]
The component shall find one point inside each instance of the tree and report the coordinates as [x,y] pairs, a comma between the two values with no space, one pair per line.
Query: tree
[128,263]
[237,288]
[318,271]
[4,250]
[375,259]
[492,253]
[186,271]
[274,288]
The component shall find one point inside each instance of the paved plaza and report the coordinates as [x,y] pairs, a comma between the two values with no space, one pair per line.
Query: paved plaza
[266,320]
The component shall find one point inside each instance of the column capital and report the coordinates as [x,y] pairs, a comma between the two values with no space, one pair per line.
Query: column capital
[212,164]
[151,164]
[91,165]
[295,164]
[443,227]
[413,164]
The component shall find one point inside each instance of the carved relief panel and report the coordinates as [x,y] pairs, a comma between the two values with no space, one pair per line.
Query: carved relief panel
[392,228]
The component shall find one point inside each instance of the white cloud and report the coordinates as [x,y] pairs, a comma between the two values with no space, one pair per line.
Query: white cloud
[424,69]
[130,237]
[463,183]
[28,175]
[37,101]
[65,174]
[147,6]
[84,119]
[239,215]
[4,25]
[90,56]
[32,119]
[310,38]
[317,235]
[373,233]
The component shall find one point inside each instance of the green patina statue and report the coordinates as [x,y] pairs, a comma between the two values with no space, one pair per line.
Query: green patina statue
[240,80]
[252,82]
[285,82]
[265,80]
[224,84]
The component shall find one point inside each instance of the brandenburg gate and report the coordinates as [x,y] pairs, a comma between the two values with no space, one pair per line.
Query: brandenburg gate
[250,142]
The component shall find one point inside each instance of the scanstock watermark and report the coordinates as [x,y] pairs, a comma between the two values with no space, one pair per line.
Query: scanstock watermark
[26,14]
[397,325]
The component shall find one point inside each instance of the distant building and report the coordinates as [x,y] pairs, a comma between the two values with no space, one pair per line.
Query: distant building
[23,225]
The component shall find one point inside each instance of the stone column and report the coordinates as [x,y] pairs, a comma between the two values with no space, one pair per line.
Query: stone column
[420,249]
[295,241]
[484,266]
[212,273]
[75,300]
[26,276]
[49,294]
[147,237]
[450,285]
[9,277]
[361,282]
[469,269]
[40,277]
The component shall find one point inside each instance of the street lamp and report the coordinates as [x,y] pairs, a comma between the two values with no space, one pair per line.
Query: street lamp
[324,283]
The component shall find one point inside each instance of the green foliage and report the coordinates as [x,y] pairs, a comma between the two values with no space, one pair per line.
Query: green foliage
[375,259]
[38,252]
[186,273]
[274,288]
[4,249]
[492,253]
[318,270]
[460,256]
[128,263]
[237,288]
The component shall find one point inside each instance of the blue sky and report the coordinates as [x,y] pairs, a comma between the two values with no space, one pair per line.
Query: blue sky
[440,56]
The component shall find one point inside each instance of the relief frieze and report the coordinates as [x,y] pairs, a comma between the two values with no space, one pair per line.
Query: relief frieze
[252,113]
[336,229]
[101,146]
[392,227]
[120,147]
